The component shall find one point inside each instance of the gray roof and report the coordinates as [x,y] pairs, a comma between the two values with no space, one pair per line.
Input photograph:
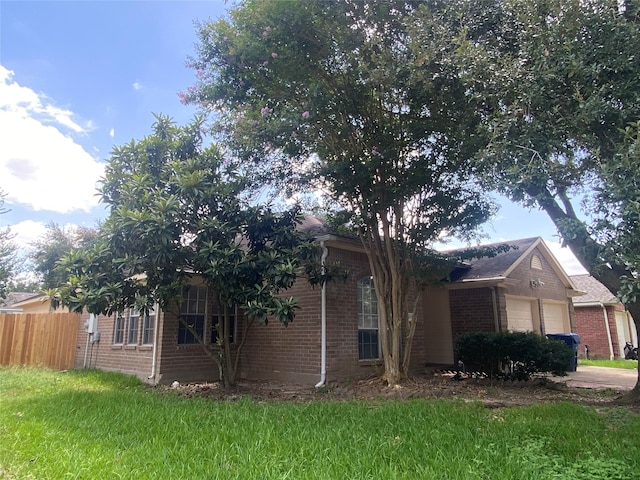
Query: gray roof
[596,292]
[497,266]
[314,226]
[15,297]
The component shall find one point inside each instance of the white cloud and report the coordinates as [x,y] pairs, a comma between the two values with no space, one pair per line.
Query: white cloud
[27,232]
[112,133]
[40,166]
[565,257]
[137,86]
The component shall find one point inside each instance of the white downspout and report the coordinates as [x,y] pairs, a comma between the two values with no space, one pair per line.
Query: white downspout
[154,353]
[86,351]
[91,325]
[323,321]
[608,330]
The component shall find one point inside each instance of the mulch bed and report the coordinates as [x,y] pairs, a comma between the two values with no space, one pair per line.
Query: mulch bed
[442,385]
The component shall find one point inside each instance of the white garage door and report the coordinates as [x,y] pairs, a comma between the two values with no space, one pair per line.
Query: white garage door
[519,315]
[624,334]
[556,317]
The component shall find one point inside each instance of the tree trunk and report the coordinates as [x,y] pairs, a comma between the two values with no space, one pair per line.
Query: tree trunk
[585,248]
[389,269]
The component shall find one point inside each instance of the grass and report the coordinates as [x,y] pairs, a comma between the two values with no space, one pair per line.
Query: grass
[94,425]
[626,364]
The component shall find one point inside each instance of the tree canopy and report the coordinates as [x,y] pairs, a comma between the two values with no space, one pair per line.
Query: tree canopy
[560,86]
[47,251]
[178,216]
[358,100]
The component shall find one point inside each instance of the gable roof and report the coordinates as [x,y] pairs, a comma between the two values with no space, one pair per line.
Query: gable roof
[499,267]
[494,269]
[314,226]
[18,297]
[596,292]
[30,299]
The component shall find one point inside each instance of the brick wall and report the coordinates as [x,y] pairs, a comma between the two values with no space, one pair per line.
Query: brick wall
[293,353]
[272,351]
[133,359]
[471,311]
[590,325]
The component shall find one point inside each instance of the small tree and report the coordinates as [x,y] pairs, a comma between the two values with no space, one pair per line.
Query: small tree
[177,212]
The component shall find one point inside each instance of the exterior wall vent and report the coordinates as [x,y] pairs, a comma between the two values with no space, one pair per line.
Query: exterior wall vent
[536,263]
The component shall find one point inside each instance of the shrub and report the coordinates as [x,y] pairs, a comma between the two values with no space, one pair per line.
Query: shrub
[515,355]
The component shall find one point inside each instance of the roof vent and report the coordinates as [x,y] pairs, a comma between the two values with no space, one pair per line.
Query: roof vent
[536,263]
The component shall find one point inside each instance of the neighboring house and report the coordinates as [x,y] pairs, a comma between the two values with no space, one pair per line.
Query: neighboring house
[25,302]
[602,321]
[523,289]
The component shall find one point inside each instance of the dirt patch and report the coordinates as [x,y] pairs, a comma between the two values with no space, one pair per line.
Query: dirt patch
[494,393]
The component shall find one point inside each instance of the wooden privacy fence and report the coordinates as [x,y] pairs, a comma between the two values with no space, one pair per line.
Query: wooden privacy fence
[39,339]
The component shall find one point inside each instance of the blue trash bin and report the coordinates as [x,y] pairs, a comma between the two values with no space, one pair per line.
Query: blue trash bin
[572,340]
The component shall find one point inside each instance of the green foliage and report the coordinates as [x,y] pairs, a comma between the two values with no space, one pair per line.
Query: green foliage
[178,216]
[516,355]
[617,209]
[360,101]
[7,254]
[57,425]
[625,364]
[57,242]
[558,86]
[559,80]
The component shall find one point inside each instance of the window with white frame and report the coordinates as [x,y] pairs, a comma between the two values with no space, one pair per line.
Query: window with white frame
[148,327]
[132,330]
[368,330]
[193,312]
[118,329]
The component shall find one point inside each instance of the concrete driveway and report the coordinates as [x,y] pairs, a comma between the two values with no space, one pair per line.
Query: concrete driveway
[600,377]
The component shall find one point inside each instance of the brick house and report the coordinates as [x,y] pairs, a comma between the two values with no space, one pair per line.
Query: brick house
[522,289]
[602,321]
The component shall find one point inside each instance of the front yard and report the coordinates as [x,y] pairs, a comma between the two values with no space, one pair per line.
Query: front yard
[93,425]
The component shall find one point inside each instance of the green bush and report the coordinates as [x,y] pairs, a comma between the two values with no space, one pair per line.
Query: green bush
[513,355]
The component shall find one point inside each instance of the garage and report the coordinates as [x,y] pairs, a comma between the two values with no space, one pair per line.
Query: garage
[520,315]
[556,317]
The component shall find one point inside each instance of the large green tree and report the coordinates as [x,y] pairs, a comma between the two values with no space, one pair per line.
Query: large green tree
[47,251]
[341,97]
[177,212]
[558,81]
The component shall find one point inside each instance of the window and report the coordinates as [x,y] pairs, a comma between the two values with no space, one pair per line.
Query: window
[217,317]
[132,332]
[368,345]
[118,329]
[192,311]
[148,327]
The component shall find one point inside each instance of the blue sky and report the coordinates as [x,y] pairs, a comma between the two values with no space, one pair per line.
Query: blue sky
[78,77]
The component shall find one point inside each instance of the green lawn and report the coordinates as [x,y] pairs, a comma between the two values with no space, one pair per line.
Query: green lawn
[91,425]
[627,364]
